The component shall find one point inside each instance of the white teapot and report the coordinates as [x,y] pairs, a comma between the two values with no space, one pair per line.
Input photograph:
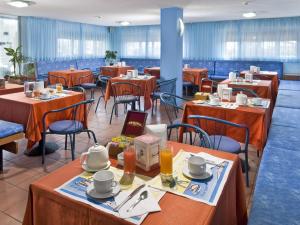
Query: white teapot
[96,158]
[232,76]
[241,99]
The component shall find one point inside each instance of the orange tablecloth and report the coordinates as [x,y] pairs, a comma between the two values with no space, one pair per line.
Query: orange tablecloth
[11,88]
[257,119]
[267,75]
[147,87]
[72,77]
[47,207]
[115,71]
[263,88]
[198,74]
[29,112]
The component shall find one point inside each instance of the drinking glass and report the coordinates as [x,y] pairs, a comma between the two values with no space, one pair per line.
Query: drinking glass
[166,161]
[59,88]
[129,160]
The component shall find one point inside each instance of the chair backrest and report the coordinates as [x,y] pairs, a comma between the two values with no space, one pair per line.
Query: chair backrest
[72,114]
[246,91]
[56,80]
[173,105]
[216,127]
[77,89]
[125,90]
[194,135]
[168,86]
[206,85]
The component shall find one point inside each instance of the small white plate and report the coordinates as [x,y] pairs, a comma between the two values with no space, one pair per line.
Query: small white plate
[87,169]
[90,191]
[186,172]
[213,104]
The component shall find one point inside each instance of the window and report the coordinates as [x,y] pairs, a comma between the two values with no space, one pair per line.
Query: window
[8,39]
[94,48]
[134,49]
[288,49]
[231,50]
[67,47]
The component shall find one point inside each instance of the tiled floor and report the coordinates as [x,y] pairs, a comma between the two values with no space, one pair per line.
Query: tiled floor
[20,170]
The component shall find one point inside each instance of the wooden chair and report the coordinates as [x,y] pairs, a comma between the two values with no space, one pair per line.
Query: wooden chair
[206,85]
[9,133]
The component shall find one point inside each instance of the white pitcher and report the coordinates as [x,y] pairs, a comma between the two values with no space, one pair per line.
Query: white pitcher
[95,158]
[241,99]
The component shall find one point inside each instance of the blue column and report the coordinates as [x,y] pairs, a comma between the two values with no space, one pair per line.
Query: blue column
[171,46]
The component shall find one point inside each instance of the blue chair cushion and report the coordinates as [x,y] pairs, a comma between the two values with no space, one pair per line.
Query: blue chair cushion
[276,196]
[288,99]
[224,143]
[289,85]
[286,117]
[65,126]
[187,83]
[88,85]
[8,128]
[284,137]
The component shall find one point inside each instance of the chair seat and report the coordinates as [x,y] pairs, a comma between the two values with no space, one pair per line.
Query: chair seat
[8,128]
[187,83]
[88,85]
[65,126]
[225,144]
[127,99]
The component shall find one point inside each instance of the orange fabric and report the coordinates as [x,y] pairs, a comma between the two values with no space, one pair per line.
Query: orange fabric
[115,71]
[153,71]
[61,210]
[29,112]
[267,75]
[147,87]
[11,88]
[72,77]
[198,74]
[257,120]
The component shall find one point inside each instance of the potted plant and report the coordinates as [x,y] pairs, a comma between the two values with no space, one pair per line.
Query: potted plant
[110,57]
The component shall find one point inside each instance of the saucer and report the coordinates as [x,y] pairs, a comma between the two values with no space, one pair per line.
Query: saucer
[87,169]
[45,98]
[90,191]
[214,104]
[204,176]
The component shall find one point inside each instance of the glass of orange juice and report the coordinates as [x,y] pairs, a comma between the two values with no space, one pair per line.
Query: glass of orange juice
[129,160]
[166,164]
[59,88]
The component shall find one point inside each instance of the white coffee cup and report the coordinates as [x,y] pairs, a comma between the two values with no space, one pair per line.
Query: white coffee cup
[214,101]
[257,101]
[197,165]
[96,158]
[104,181]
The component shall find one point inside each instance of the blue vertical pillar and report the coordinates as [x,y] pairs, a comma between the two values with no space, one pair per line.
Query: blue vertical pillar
[171,46]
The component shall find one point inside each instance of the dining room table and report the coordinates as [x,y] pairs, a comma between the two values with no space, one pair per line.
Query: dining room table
[11,88]
[72,77]
[147,85]
[266,75]
[195,75]
[18,108]
[256,118]
[47,206]
[115,71]
[263,88]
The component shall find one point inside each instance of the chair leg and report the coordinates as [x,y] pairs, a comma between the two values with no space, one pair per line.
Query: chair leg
[98,104]
[73,147]
[153,104]
[89,135]
[66,142]
[1,160]
[43,147]
[112,111]
[246,169]
[94,136]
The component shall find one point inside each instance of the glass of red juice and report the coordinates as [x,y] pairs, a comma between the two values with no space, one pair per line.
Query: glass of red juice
[129,160]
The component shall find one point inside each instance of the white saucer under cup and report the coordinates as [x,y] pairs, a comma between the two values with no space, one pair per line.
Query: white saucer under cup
[208,174]
[90,191]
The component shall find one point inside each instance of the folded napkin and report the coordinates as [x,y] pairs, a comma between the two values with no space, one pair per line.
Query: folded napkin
[145,206]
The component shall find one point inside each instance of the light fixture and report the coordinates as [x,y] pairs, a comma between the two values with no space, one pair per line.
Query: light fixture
[249,14]
[20,3]
[124,23]
[180,27]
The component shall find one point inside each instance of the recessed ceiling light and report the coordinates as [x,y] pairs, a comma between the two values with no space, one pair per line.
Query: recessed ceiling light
[249,14]
[99,17]
[124,23]
[20,3]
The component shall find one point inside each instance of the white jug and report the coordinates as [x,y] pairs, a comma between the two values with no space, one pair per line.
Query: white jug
[232,76]
[95,158]
[241,99]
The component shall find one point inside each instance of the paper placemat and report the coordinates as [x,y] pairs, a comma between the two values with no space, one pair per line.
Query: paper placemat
[76,189]
[206,191]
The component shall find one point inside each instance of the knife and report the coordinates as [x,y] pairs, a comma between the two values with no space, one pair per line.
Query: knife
[132,194]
